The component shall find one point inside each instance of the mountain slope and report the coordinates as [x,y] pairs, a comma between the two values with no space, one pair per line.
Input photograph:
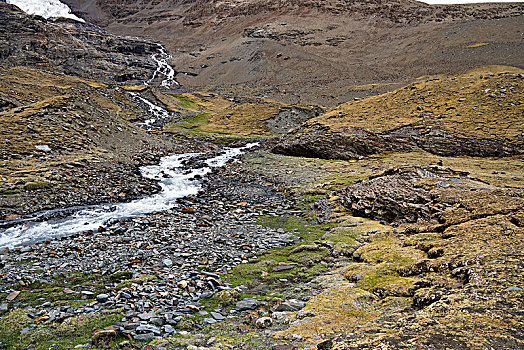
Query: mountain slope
[324,52]
[73,47]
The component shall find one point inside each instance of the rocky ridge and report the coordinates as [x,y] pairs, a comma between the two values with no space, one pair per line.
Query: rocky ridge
[73,48]
[475,114]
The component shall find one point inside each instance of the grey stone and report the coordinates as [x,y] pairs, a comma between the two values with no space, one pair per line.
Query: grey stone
[513,288]
[169,329]
[217,316]
[291,305]
[246,304]
[146,316]
[144,337]
[125,295]
[147,328]
[157,321]
[167,262]
[102,297]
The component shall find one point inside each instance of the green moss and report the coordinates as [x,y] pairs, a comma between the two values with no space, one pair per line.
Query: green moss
[120,276]
[11,325]
[139,280]
[200,119]
[36,185]
[72,331]
[183,101]
[307,263]
[9,192]
[234,337]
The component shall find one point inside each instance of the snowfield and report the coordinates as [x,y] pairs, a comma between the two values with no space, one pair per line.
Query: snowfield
[45,8]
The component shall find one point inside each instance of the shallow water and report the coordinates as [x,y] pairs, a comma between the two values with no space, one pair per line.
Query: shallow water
[175,183]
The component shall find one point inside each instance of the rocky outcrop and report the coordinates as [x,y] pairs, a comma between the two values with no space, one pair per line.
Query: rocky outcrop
[347,145]
[482,119]
[360,143]
[73,48]
[405,195]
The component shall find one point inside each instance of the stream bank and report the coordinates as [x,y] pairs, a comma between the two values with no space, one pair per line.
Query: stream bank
[264,273]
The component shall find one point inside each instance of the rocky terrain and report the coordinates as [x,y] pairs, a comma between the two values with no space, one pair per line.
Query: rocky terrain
[392,220]
[72,47]
[478,113]
[323,52]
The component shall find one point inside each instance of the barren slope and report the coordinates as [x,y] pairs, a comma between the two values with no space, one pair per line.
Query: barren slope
[324,52]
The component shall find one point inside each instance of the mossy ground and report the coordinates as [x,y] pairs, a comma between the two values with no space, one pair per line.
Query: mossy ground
[60,335]
[214,116]
[63,290]
[482,103]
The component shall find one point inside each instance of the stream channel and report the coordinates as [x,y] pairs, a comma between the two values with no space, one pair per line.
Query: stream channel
[175,182]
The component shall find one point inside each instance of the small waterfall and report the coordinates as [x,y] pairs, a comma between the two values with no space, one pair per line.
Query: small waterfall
[160,114]
[164,68]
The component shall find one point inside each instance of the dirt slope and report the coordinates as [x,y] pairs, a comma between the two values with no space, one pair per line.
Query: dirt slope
[323,52]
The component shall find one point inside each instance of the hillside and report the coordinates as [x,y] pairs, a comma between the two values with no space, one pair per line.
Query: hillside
[323,52]
[478,113]
[310,175]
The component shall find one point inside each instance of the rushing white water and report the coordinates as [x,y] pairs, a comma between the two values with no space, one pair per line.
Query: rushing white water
[164,68]
[174,181]
[158,112]
[45,8]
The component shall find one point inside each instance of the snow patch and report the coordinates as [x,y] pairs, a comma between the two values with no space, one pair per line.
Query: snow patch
[45,8]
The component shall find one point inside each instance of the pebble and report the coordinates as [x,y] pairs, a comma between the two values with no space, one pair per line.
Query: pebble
[169,246]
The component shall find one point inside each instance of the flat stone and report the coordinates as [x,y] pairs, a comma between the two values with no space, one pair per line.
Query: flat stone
[12,295]
[144,337]
[513,288]
[102,297]
[146,316]
[125,295]
[157,321]
[246,304]
[147,328]
[167,262]
[217,316]
[291,305]
[169,329]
